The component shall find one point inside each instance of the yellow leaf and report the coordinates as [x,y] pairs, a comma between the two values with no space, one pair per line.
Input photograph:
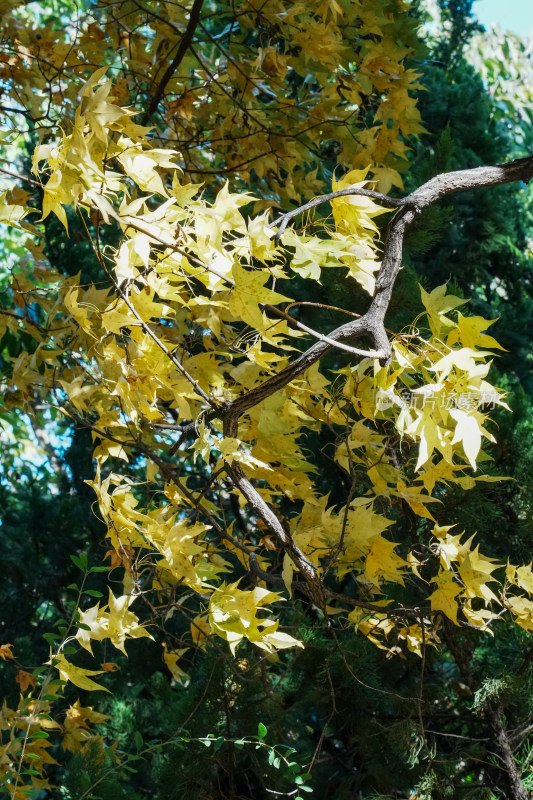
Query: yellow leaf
[11,214]
[468,331]
[444,597]
[78,676]
[437,305]
[171,659]
[475,572]
[522,608]
[383,563]
[117,623]
[520,576]
[468,432]
[249,292]
[233,616]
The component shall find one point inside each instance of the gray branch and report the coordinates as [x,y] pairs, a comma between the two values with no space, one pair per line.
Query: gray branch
[371,324]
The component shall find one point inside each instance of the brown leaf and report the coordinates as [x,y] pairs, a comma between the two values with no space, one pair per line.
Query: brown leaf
[268,542]
[123,558]
[110,666]
[25,679]
[17,196]
[5,651]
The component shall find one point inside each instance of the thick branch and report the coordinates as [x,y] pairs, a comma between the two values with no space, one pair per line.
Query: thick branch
[517,788]
[372,324]
[194,18]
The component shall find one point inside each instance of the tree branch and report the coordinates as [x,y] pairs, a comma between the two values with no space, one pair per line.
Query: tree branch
[283,221]
[371,324]
[194,18]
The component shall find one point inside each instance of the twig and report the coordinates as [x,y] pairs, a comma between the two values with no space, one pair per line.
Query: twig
[284,219]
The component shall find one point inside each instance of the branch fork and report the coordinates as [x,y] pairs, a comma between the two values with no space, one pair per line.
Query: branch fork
[371,324]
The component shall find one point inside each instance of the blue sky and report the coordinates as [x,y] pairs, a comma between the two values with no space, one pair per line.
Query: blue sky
[514,15]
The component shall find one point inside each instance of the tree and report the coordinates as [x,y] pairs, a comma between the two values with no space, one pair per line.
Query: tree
[246,460]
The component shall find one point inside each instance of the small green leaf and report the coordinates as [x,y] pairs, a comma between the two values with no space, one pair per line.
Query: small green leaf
[218,743]
[261,731]
[138,739]
[80,561]
[93,593]
[291,769]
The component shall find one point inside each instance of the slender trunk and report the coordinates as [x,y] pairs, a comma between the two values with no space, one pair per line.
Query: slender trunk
[517,789]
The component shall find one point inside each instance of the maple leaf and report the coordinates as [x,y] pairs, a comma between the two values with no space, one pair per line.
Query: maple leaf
[233,615]
[383,563]
[116,624]
[437,304]
[77,726]
[79,716]
[77,675]
[25,680]
[11,214]
[522,608]
[249,292]
[521,576]
[376,627]
[200,630]
[468,431]
[416,637]
[444,598]
[6,651]
[450,548]
[475,571]
[469,331]
[480,617]
[171,658]
[109,666]
[99,113]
